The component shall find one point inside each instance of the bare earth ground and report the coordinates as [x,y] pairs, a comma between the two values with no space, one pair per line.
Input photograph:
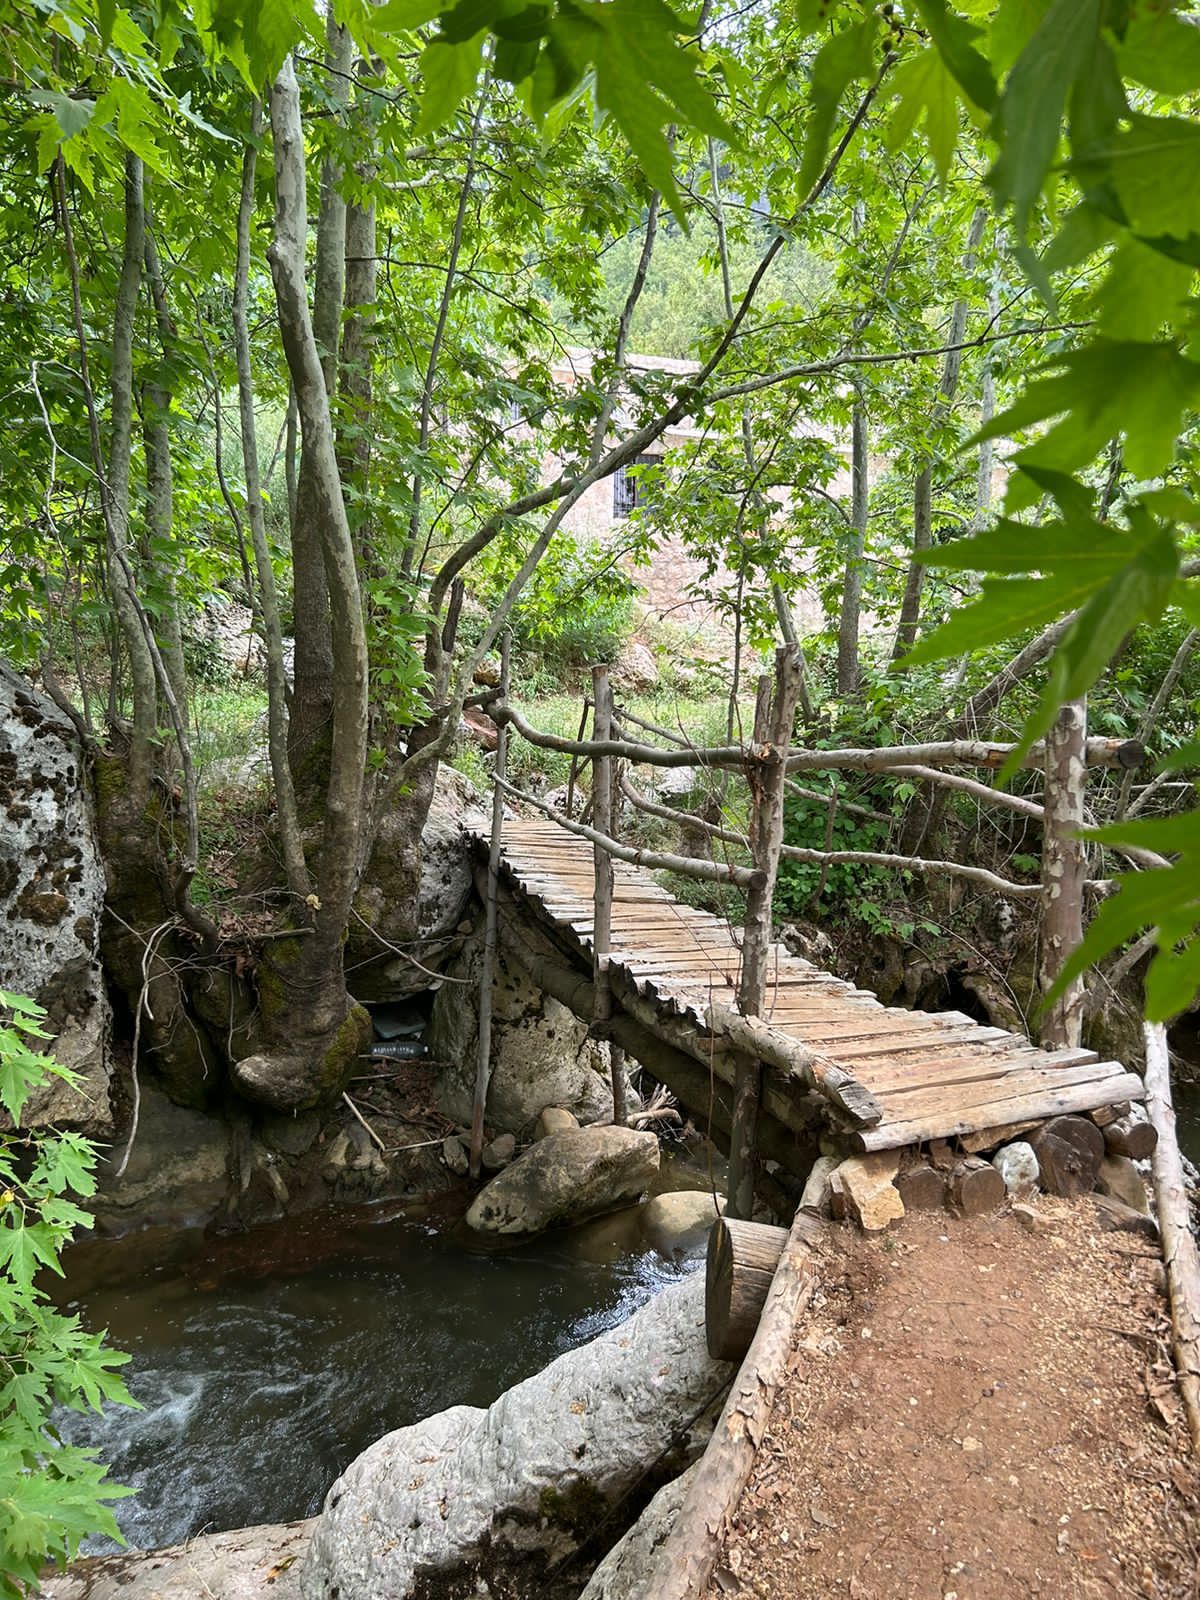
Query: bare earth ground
[975,1412]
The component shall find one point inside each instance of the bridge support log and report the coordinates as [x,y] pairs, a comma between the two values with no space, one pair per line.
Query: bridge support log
[742,1258]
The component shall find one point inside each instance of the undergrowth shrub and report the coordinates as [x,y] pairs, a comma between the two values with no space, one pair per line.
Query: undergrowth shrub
[52,1495]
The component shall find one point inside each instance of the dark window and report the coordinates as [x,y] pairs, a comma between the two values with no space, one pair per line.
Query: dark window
[626,491]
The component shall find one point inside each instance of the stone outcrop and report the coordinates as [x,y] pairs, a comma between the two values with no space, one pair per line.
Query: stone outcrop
[479,1503]
[1017,1164]
[260,1563]
[566,1178]
[414,900]
[628,1565]
[52,899]
[178,1170]
[541,1054]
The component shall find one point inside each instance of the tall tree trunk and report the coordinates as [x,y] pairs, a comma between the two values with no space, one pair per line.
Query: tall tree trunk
[310,1029]
[848,664]
[309,728]
[120,551]
[910,607]
[1064,871]
[290,839]
[162,561]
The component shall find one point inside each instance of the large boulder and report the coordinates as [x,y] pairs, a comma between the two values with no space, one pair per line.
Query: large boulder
[479,1503]
[566,1178]
[678,1224]
[541,1053]
[52,900]
[260,1563]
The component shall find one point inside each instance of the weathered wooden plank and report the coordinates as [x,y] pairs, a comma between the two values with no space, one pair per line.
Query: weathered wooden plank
[1031,1107]
[907,1105]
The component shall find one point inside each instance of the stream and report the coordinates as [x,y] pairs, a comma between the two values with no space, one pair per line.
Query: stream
[265,1362]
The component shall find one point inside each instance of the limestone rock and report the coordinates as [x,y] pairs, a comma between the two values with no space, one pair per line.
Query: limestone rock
[628,1565]
[1031,1219]
[541,1053]
[554,1119]
[564,1179]
[479,1502]
[635,667]
[499,1152]
[52,901]
[678,1224]
[456,1155]
[1017,1164]
[872,1199]
[1120,1178]
[261,1563]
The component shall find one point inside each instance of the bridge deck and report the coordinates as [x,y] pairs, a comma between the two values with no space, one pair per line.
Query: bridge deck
[935,1074]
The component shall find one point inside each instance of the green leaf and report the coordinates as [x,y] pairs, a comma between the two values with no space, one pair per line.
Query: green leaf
[927,92]
[450,72]
[1101,391]
[954,37]
[1030,109]
[1155,167]
[1142,290]
[842,60]
[72,116]
[1161,50]
[1015,23]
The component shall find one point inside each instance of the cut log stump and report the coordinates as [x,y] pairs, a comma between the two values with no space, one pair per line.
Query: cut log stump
[1127,1137]
[742,1258]
[1069,1152]
[922,1188]
[976,1187]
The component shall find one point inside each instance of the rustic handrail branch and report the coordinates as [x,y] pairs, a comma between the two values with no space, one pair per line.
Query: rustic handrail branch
[1123,753]
[655,860]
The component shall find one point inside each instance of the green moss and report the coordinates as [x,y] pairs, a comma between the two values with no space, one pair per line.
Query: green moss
[579,1507]
[338,1060]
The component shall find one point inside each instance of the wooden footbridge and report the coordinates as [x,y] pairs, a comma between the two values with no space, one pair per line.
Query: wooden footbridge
[884,1076]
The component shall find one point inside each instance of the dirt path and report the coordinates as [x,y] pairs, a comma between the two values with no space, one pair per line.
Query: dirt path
[974,1412]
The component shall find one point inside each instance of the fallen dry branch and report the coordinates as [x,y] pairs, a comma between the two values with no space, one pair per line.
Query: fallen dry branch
[688,1554]
[1178,1242]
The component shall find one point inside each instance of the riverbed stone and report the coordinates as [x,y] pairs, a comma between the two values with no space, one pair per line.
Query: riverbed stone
[456,1155]
[629,1565]
[1017,1164]
[677,1225]
[541,1053]
[259,1563]
[479,1503]
[566,1178]
[554,1119]
[499,1152]
[52,902]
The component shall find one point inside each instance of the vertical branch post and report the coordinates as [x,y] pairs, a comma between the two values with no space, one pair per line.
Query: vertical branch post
[602,821]
[573,775]
[483,1065]
[1174,1223]
[1064,872]
[774,714]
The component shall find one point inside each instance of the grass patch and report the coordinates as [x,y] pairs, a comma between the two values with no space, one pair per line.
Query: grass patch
[223,722]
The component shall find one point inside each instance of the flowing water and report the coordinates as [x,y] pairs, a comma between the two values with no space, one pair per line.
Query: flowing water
[267,1361]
